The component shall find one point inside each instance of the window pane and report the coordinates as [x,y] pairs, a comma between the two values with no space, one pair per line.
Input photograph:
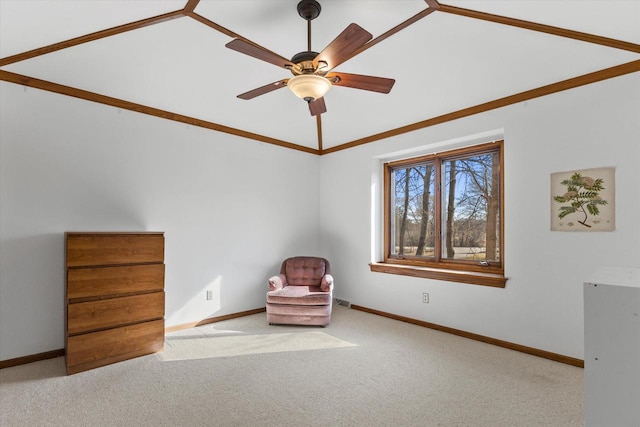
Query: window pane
[471,208]
[412,207]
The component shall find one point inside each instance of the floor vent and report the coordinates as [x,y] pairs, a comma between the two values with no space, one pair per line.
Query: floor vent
[342,302]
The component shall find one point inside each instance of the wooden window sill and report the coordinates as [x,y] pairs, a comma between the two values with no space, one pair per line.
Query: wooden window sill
[471,278]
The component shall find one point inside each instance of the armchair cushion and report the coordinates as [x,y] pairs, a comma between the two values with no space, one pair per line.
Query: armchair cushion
[299,295]
[304,271]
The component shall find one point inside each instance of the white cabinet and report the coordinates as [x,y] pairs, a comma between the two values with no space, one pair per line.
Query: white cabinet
[612,348]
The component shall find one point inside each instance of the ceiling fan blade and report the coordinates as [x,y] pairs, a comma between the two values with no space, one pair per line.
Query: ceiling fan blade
[258,52]
[341,48]
[358,81]
[263,89]
[317,107]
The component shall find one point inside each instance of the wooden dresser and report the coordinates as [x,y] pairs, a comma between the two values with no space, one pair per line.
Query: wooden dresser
[114,299]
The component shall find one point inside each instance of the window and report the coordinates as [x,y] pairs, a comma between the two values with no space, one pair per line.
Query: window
[443,216]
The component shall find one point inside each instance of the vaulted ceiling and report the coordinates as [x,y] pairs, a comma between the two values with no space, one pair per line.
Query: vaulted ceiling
[449,59]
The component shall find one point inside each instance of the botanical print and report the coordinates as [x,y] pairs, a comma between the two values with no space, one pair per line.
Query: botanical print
[583,200]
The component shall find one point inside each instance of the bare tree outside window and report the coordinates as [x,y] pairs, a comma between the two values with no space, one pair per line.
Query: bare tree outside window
[413,209]
[446,208]
[473,207]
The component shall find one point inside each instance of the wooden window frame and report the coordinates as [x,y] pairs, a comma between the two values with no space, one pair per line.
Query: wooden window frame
[440,268]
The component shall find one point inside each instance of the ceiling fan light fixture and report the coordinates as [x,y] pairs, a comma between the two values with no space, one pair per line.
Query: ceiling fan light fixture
[309,86]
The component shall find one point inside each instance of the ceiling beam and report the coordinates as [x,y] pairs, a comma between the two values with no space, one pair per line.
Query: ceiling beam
[585,79]
[556,31]
[433,4]
[228,32]
[215,26]
[415,18]
[126,105]
[91,37]
[319,126]
[190,6]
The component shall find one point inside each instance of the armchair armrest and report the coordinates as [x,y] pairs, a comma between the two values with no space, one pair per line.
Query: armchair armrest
[326,283]
[277,282]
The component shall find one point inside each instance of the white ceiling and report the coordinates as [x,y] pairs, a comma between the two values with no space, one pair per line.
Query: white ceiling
[442,63]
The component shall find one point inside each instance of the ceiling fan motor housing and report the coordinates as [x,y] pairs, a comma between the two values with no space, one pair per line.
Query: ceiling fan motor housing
[304,62]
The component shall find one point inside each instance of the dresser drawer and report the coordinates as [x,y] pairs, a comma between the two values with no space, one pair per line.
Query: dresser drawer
[92,249]
[108,313]
[100,282]
[88,351]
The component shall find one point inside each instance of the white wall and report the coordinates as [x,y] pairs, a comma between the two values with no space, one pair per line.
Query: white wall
[231,208]
[542,304]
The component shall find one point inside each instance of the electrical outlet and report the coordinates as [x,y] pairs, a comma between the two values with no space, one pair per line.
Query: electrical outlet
[209,295]
[425,297]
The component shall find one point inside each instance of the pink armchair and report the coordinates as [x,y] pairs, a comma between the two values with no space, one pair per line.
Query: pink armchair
[302,293]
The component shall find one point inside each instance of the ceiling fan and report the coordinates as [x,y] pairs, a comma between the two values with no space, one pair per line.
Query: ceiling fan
[312,75]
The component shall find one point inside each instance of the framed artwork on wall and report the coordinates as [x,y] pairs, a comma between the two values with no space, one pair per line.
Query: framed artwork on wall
[583,200]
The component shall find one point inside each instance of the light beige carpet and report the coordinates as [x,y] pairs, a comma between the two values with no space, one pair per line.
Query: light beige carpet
[361,370]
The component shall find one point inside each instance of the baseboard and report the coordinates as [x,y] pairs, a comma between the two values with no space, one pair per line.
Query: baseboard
[500,343]
[505,344]
[31,358]
[213,320]
[60,352]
